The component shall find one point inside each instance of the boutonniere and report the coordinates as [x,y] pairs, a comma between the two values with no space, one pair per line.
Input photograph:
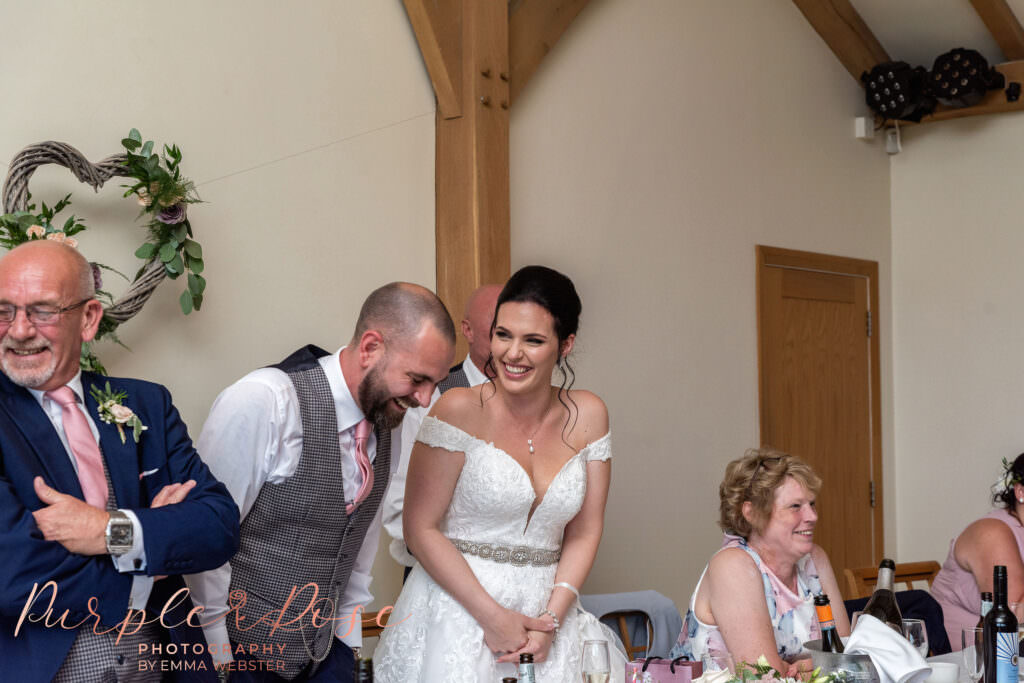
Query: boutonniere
[114,411]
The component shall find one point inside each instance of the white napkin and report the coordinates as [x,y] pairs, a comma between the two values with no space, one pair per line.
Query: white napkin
[895,658]
[714,677]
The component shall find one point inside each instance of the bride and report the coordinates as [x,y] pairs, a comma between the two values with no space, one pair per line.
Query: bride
[504,508]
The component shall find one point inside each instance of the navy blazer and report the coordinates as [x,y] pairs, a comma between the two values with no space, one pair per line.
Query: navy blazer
[198,534]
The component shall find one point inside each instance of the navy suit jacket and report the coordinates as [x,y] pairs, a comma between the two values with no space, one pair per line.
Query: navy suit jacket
[196,535]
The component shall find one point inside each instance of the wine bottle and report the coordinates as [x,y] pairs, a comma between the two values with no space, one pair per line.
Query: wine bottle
[986,605]
[526,674]
[830,640]
[1000,634]
[882,604]
[364,671]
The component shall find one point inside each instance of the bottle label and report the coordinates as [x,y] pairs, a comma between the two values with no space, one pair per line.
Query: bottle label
[825,617]
[526,674]
[1006,657]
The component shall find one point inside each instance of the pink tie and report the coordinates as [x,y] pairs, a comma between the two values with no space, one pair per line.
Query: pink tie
[83,446]
[363,430]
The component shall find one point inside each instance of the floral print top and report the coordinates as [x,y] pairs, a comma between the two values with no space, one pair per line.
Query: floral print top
[793,617]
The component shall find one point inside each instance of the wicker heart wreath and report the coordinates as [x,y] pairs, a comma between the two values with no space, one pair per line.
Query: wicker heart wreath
[164,194]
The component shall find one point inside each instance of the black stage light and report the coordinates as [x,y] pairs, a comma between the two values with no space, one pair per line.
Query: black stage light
[960,78]
[895,90]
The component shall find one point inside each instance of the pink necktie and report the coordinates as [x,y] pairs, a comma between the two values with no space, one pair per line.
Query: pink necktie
[363,430]
[83,446]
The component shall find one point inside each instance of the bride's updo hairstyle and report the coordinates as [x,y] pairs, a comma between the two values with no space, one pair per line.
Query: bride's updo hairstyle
[556,294]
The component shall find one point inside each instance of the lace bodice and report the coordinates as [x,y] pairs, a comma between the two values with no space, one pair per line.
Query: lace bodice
[494,494]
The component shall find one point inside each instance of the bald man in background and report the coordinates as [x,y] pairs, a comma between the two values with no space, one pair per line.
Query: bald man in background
[476,328]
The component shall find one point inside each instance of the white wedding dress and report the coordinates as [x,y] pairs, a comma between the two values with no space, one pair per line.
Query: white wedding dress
[430,637]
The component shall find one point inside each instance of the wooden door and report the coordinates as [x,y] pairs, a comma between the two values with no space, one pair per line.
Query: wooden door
[818,358]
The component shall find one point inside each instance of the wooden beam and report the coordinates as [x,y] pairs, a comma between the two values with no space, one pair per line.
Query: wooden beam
[994,101]
[842,29]
[1003,25]
[471,168]
[534,28]
[438,28]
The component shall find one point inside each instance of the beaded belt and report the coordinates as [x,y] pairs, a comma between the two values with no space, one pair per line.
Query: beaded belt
[518,555]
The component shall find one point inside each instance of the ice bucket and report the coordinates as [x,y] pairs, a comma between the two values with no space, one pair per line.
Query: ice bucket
[857,667]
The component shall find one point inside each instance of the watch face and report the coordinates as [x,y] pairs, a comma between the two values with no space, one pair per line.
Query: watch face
[121,533]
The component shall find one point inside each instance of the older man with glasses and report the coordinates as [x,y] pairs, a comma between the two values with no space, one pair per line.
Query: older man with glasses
[95,524]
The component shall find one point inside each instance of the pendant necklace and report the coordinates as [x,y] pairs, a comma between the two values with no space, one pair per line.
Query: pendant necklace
[529,439]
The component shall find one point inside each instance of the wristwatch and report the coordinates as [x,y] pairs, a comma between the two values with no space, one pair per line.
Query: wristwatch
[120,533]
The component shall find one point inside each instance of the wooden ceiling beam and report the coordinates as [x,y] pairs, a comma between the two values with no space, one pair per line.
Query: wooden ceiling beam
[471,178]
[1002,23]
[843,30]
[478,54]
[994,101]
[438,28]
[534,28]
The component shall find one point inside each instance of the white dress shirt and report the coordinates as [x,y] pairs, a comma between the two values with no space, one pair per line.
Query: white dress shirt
[125,563]
[402,441]
[252,437]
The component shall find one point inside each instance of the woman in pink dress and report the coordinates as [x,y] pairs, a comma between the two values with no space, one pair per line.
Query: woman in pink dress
[996,538]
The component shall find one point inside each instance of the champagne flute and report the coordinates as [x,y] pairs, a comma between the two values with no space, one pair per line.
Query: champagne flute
[596,668]
[917,634]
[973,652]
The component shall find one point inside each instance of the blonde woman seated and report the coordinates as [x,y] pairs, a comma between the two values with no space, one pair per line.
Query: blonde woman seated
[756,596]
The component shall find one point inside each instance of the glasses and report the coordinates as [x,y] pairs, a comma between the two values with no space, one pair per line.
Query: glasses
[37,314]
[760,466]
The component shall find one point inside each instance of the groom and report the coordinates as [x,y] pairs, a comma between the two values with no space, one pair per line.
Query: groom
[93,523]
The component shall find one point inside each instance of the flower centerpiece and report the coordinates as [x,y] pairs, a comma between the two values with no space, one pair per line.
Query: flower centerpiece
[763,672]
[156,182]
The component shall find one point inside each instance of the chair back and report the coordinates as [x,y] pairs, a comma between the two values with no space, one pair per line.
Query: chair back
[374,623]
[860,582]
[620,618]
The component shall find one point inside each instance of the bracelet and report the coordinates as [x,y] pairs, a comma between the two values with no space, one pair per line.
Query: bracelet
[554,619]
[571,587]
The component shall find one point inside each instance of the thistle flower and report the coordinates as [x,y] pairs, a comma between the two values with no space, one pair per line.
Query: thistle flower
[172,214]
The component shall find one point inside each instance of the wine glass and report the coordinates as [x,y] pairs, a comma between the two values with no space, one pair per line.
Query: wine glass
[973,652]
[916,633]
[596,668]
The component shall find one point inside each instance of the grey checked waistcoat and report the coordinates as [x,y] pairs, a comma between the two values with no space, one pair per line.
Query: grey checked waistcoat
[297,533]
[456,378]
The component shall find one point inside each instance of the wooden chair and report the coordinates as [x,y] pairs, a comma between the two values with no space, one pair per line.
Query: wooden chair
[620,618]
[860,583]
[371,629]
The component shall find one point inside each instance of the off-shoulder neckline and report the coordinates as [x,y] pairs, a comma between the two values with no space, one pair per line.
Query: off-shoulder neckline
[538,502]
[497,448]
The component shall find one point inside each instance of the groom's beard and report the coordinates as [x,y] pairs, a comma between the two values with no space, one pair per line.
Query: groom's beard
[376,401]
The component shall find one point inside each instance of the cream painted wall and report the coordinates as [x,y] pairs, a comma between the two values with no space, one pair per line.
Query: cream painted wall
[656,146]
[309,130]
[958,366]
